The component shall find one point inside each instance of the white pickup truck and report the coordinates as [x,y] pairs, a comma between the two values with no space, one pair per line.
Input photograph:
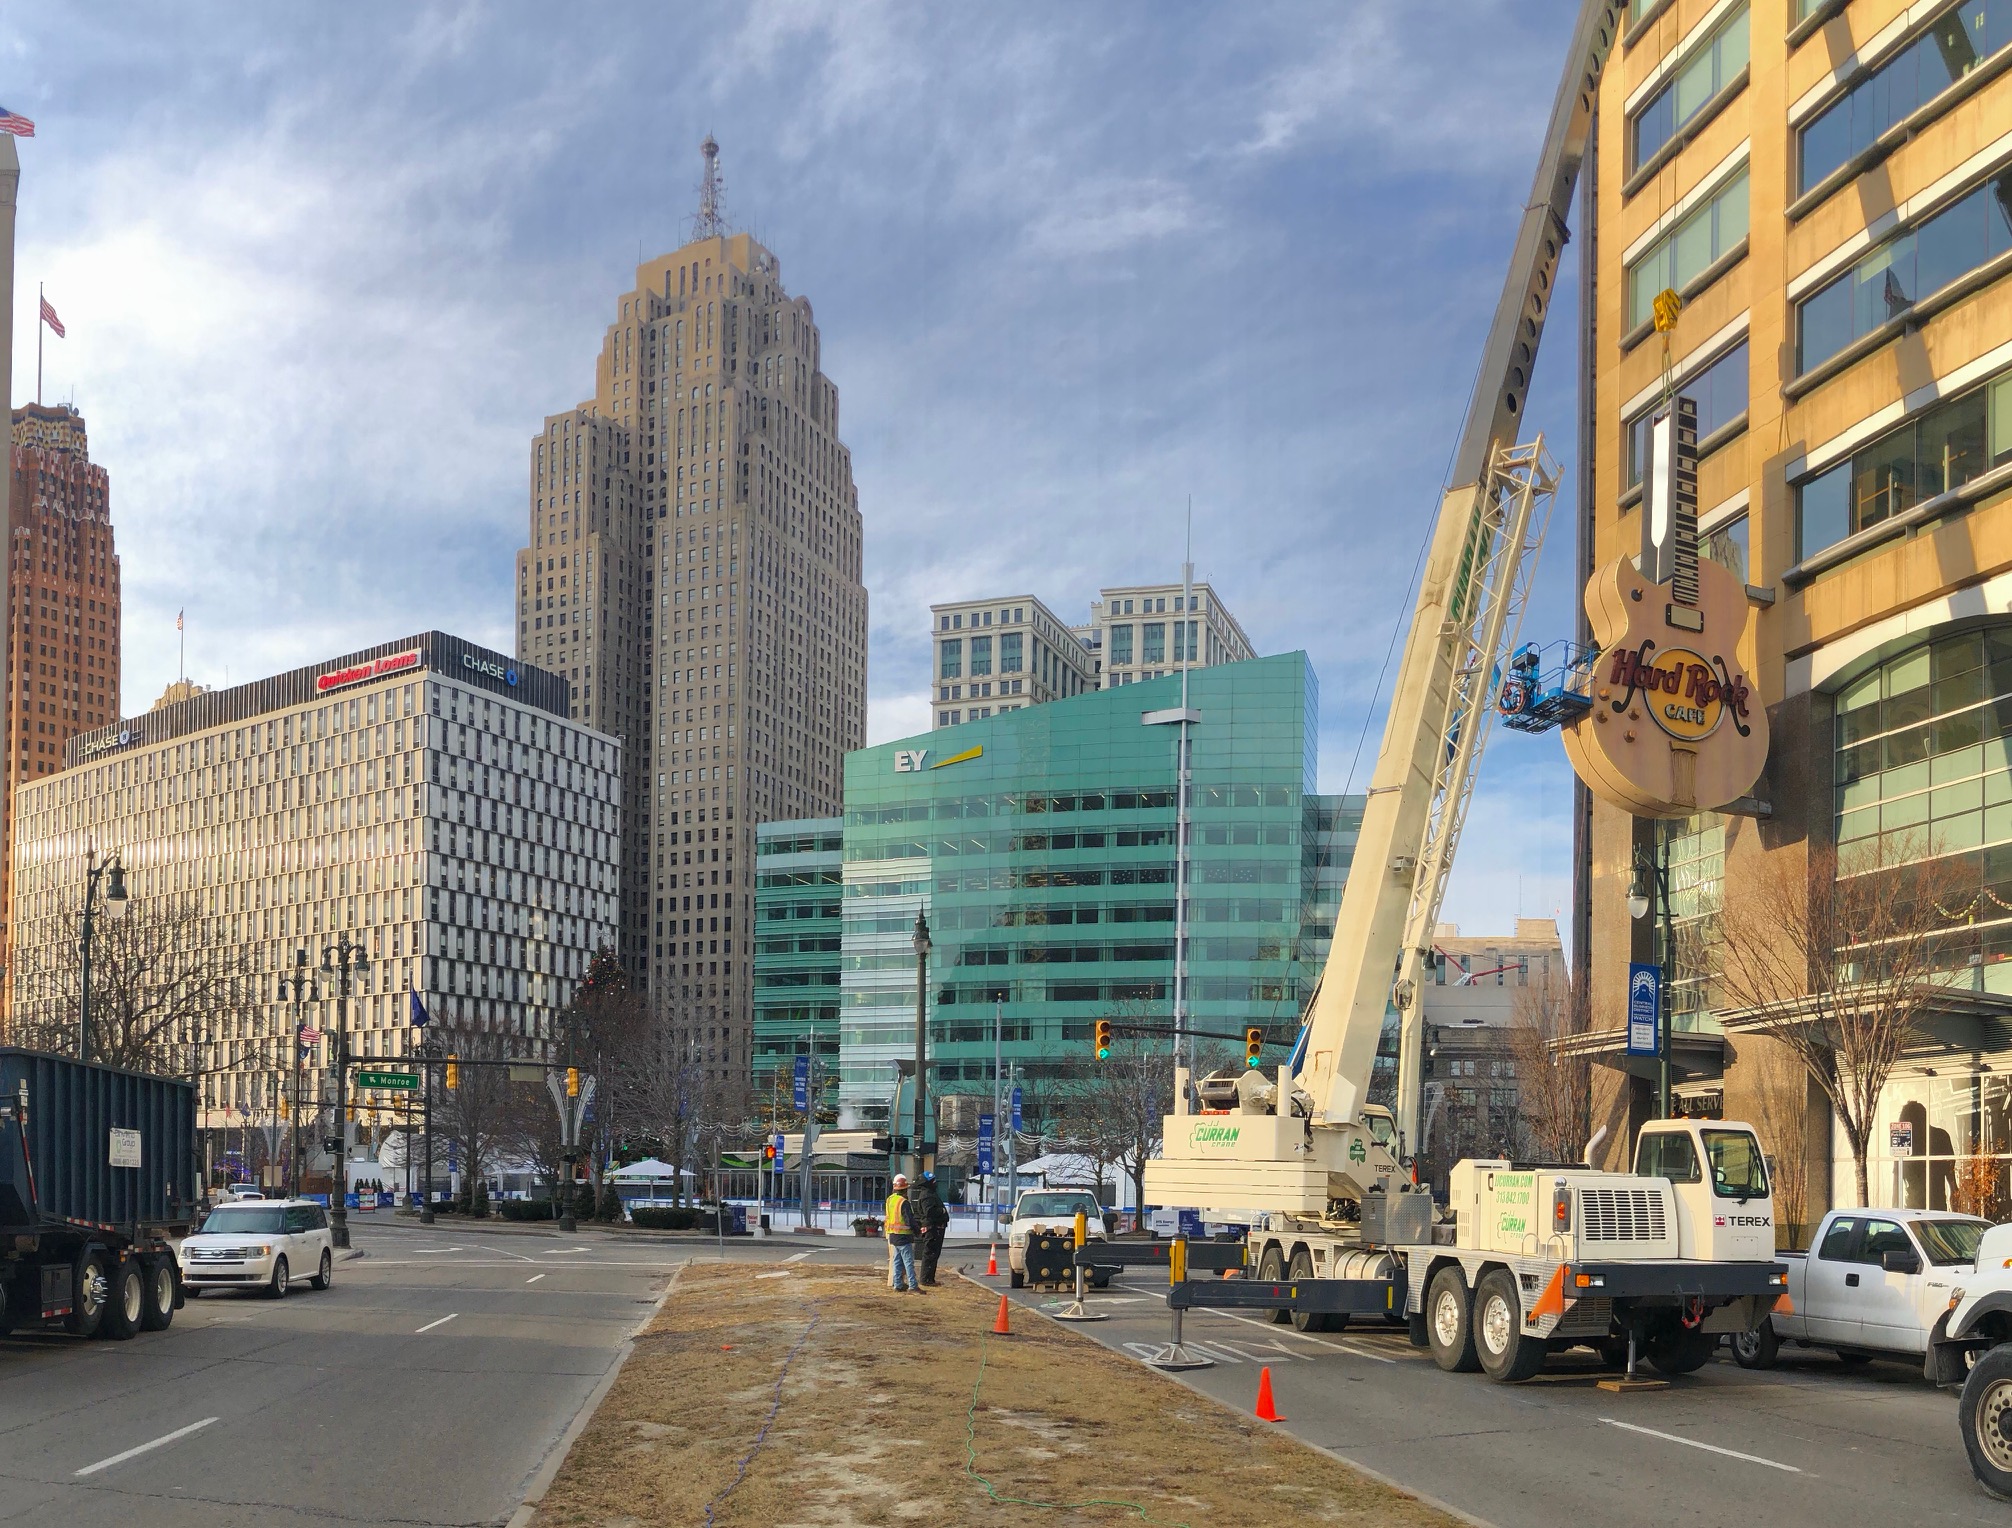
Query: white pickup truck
[1876,1286]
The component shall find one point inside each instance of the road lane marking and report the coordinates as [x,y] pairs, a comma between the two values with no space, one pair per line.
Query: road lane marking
[534,1278]
[796,1257]
[1710,1448]
[144,1448]
[1339,1347]
[432,1324]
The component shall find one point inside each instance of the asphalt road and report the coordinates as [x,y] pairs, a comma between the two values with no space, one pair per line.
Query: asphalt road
[426,1387]
[1805,1444]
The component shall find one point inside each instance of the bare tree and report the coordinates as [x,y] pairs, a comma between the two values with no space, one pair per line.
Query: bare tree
[1839,959]
[160,990]
[1554,1092]
[1781,1114]
[474,1113]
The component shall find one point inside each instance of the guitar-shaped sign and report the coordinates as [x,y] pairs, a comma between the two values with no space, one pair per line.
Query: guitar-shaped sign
[1675,727]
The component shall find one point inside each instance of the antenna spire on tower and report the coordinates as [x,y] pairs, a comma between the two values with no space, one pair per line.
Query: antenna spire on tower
[711,221]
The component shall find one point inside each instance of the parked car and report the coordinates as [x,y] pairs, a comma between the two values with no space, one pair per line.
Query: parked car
[260,1244]
[1050,1209]
[1877,1285]
[243,1191]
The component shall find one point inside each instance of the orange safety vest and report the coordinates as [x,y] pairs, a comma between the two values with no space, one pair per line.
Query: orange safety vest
[897,1213]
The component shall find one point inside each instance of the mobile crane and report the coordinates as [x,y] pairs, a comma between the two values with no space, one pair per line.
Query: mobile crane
[1536,1256]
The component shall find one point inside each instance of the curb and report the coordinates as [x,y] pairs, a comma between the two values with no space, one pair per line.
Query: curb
[548,1468]
[1457,1513]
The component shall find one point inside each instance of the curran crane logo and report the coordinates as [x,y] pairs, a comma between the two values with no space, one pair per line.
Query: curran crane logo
[1213,1135]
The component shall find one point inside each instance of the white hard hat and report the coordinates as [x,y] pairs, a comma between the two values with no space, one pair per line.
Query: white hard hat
[901,1180]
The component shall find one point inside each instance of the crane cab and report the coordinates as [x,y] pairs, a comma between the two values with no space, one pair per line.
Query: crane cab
[1725,1208]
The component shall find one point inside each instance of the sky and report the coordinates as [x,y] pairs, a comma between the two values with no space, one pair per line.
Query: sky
[326,268]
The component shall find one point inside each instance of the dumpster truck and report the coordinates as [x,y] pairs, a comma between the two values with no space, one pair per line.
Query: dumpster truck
[97,1174]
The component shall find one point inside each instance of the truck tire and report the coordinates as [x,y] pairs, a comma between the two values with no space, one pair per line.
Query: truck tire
[1271,1270]
[1758,1349]
[1680,1351]
[90,1290]
[157,1310]
[1985,1416]
[1301,1272]
[1508,1354]
[126,1303]
[1449,1321]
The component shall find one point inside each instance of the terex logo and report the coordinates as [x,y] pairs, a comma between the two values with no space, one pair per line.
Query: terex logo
[1761,1221]
[908,761]
[1214,1135]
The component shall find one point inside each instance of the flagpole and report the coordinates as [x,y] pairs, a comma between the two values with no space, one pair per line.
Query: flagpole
[39,327]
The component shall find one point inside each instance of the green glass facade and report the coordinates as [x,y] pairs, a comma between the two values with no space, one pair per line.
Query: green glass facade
[799,875]
[1041,844]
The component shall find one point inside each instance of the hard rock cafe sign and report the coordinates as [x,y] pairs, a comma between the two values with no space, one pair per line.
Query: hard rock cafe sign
[1674,727]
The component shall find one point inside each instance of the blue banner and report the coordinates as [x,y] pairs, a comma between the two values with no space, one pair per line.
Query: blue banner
[986,1133]
[1016,1109]
[800,1086]
[1645,991]
[984,1156]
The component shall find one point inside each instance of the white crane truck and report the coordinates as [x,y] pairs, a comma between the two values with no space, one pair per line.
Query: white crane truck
[1536,1256]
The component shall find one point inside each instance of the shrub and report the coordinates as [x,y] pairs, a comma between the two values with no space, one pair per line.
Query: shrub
[528,1209]
[610,1207]
[665,1218]
[479,1205]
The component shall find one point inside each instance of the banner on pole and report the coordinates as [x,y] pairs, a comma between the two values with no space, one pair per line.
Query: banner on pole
[1645,990]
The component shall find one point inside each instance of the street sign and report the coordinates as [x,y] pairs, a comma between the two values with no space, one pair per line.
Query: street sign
[394,1080]
[1016,1108]
[525,1073]
[1645,990]
[800,1086]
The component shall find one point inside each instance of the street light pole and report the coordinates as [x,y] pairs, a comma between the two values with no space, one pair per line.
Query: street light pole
[114,875]
[921,1034]
[426,1052]
[299,986]
[340,960]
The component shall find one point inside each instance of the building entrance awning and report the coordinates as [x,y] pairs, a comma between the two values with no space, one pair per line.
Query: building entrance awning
[1696,1055]
[1955,1018]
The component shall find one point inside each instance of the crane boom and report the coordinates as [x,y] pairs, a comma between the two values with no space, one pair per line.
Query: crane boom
[1304,1155]
[1470,596]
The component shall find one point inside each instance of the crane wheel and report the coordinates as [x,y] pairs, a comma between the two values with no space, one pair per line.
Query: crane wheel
[1271,1270]
[1508,1354]
[1449,1321]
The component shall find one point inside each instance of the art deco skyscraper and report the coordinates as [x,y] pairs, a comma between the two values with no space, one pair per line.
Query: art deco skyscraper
[693,569]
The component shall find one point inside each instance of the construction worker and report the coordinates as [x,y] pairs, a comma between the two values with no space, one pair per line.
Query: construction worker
[899,1225]
[931,1219]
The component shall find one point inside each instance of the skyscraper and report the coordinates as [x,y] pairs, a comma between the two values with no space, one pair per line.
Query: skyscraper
[693,569]
[63,631]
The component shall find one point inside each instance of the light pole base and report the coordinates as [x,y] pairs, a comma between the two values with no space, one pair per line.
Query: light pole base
[338,1229]
[426,1216]
[568,1224]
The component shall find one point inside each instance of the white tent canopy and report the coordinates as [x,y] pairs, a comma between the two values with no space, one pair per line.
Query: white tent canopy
[650,1170]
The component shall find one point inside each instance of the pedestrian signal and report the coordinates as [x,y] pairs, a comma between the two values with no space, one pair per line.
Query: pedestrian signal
[768,1153]
[1103,1039]
[572,1082]
[1253,1045]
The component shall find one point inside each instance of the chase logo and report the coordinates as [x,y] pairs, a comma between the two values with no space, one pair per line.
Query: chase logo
[493,670]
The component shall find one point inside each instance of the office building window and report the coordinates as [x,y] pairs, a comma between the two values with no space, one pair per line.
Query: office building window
[1184,641]
[1954,44]
[1943,448]
[1906,268]
[1687,251]
[1153,642]
[952,666]
[1714,67]
[981,656]
[1720,392]
[1726,545]
[1009,653]
[1121,644]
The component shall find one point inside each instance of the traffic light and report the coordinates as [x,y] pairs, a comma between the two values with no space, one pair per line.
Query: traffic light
[453,1073]
[572,1082]
[768,1153]
[1103,1039]
[1253,1045]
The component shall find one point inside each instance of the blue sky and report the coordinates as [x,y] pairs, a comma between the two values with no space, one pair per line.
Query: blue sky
[326,268]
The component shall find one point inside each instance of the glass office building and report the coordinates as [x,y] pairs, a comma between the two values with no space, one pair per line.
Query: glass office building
[1041,845]
[799,876]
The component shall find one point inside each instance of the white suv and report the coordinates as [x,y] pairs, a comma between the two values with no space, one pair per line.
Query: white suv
[262,1244]
[1047,1209]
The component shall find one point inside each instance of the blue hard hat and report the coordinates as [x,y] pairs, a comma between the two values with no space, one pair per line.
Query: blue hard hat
[929,1177]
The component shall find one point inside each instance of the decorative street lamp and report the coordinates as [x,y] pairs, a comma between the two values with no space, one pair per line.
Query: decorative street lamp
[341,960]
[114,876]
[300,986]
[921,1033]
[1651,885]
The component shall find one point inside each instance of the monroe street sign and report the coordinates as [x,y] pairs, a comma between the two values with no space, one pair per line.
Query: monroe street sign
[405,1080]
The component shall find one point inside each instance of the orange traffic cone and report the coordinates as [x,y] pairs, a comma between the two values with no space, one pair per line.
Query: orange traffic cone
[1266,1411]
[1000,1328]
[992,1262]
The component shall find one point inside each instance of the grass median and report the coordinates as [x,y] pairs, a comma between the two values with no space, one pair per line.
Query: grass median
[818,1397]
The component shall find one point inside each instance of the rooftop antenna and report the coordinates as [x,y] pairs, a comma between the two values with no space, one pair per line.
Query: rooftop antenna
[711,222]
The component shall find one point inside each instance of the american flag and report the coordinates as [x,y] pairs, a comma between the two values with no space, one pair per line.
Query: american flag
[49,317]
[13,122]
